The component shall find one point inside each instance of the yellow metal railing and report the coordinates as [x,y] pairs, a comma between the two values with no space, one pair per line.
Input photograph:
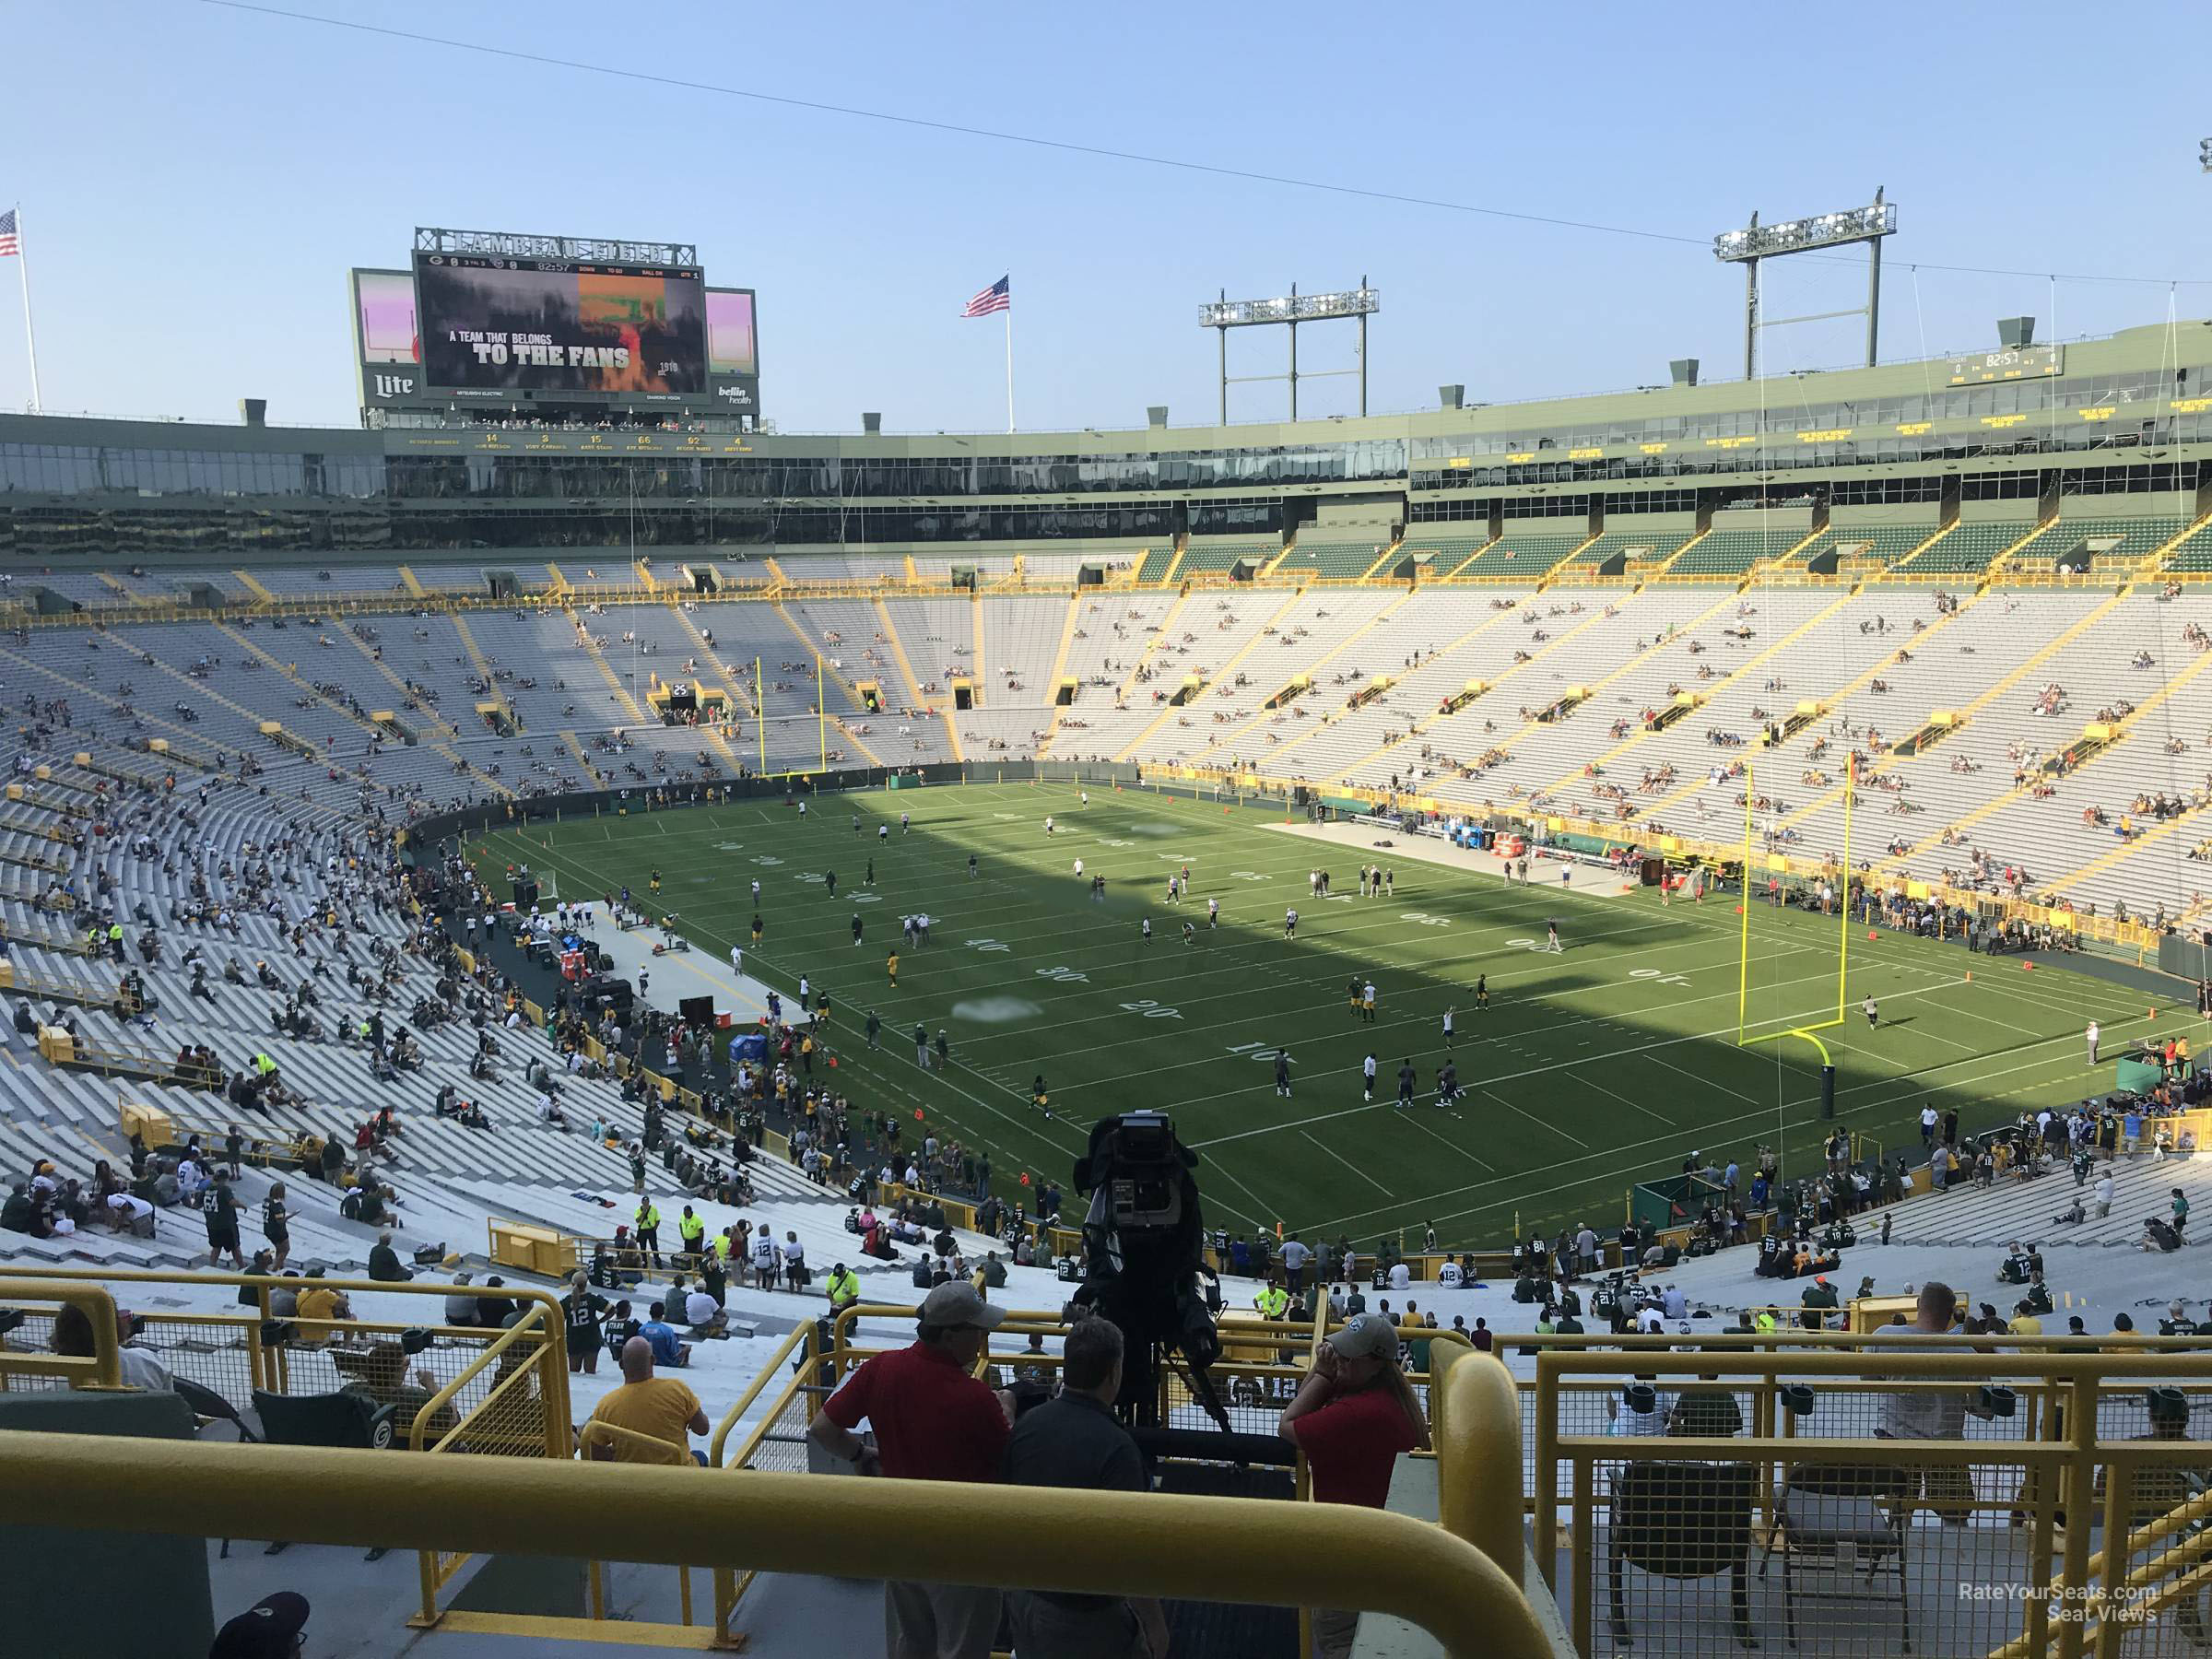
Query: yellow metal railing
[326,1354]
[1443,1578]
[1113,1543]
[97,1369]
[2049,1459]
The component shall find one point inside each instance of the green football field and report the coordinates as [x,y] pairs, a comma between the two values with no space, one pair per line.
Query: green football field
[1604,1064]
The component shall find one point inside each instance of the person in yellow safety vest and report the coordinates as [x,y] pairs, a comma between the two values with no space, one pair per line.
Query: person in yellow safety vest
[1274,1302]
[264,1065]
[722,1247]
[1764,1322]
[693,1231]
[844,1285]
[649,1230]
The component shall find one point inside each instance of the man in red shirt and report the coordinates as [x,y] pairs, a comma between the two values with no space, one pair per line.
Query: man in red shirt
[1353,1413]
[932,1421]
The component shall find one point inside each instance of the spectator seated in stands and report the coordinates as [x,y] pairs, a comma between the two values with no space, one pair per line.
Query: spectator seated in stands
[661,1338]
[20,1214]
[659,1408]
[2159,1235]
[2018,1266]
[461,1302]
[384,1263]
[379,1374]
[135,1367]
[1807,1260]
[320,1304]
[702,1312]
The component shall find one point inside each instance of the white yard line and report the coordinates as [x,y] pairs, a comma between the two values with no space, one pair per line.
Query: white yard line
[1347,1162]
[1539,1123]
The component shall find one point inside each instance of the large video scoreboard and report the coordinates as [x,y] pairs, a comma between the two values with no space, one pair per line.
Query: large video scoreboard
[467,327]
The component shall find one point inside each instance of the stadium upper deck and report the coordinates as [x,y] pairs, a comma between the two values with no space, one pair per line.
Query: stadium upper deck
[2129,415]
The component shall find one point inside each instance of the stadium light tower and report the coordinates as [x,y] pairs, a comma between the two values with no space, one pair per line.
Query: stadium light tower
[1224,315]
[1757,241]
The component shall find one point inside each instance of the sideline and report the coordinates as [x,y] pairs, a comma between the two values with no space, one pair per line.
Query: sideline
[1363,839]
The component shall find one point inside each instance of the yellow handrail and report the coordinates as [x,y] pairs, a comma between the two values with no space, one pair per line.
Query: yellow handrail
[1111,1544]
[100,1371]
[599,1433]
[535,1320]
[774,1367]
[1475,1412]
[557,1372]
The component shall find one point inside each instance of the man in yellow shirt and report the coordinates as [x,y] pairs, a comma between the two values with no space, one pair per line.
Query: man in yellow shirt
[2023,1321]
[660,1408]
[319,1302]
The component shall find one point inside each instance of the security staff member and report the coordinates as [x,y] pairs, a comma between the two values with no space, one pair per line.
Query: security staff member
[844,1285]
[1274,1302]
[649,1230]
[693,1231]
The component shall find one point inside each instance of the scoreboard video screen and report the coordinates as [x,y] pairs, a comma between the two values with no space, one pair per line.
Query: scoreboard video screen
[490,325]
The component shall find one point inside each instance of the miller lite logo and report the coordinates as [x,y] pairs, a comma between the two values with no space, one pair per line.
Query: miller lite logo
[393,386]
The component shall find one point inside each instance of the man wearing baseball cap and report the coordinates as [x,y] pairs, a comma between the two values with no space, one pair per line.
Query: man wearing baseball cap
[268,1629]
[1353,1413]
[932,1421]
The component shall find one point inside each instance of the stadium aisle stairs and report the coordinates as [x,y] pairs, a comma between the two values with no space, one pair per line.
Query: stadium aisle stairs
[2046,624]
[1135,632]
[1343,620]
[1438,626]
[1233,624]
[2048,834]
[1785,620]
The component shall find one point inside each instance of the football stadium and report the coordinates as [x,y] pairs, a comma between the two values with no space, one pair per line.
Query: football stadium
[1545,1025]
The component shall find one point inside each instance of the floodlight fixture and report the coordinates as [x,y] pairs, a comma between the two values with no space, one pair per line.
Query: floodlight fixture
[1290,309]
[582,250]
[1293,307]
[1756,241]
[1802,236]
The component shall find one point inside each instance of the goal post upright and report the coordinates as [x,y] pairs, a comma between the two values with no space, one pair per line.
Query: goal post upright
[1743,971]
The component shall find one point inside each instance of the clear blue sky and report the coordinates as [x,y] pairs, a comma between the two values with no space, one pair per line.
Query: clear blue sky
[196,181]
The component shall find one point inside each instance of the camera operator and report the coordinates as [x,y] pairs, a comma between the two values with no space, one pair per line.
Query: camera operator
[1352,1416]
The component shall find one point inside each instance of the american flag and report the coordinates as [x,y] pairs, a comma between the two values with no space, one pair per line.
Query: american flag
[10,243]
[998,297]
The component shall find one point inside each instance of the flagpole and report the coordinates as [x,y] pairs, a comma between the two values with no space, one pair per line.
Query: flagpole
[30,338]
[1009,363]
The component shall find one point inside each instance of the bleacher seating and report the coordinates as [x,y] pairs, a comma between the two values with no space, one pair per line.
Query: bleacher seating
[2139,537]
[1885,543]
[1335,555]
[1729,552]
[2027,667]
[1524,552]
[1205,553]
[1969,547]
[1641,547]
[1445,550]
